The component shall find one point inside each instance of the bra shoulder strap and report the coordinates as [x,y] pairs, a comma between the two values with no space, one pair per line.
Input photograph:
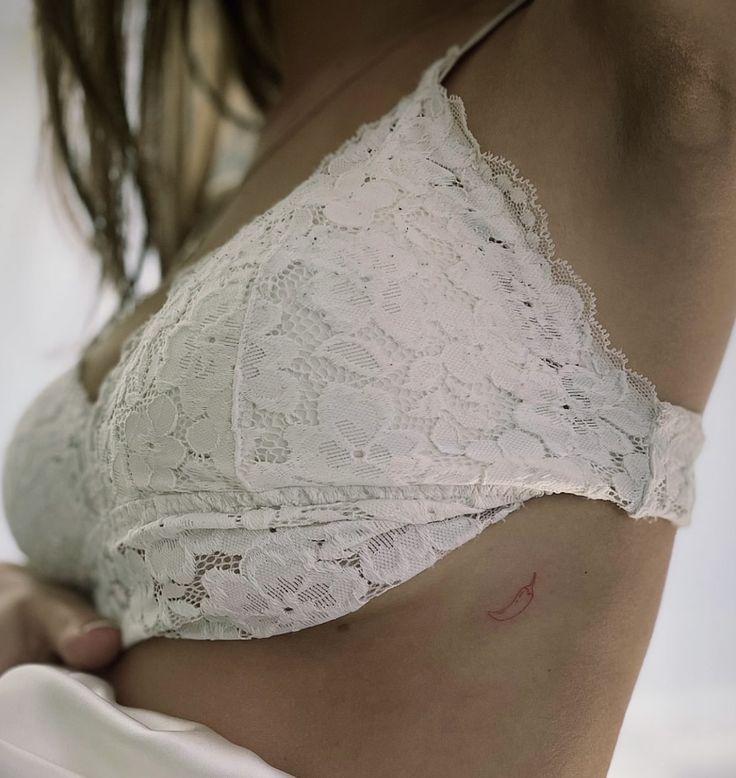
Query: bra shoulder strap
[456,51]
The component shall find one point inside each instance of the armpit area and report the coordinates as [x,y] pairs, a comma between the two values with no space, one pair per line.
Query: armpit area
[675,67]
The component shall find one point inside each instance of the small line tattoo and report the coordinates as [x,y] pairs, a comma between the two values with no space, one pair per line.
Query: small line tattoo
[520,603]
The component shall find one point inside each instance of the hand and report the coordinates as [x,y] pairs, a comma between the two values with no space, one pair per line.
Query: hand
[41,622]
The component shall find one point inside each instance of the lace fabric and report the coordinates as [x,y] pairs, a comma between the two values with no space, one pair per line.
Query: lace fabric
[366,376]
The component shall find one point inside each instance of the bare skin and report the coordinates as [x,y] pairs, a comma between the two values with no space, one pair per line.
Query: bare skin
[423,680]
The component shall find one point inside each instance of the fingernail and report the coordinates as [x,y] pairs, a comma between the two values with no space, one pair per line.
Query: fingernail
[97,624]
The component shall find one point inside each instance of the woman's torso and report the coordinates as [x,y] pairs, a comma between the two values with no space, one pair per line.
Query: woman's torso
[421,680]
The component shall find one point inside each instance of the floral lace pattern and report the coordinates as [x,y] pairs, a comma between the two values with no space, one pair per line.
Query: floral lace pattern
[366,376]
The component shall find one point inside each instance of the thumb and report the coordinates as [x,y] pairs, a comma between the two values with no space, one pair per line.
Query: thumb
[75,631]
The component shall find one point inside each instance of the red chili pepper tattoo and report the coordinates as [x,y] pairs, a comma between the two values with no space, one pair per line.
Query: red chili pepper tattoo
[517,605]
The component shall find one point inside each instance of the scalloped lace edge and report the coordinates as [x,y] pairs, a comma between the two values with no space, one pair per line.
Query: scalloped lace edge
[602,337]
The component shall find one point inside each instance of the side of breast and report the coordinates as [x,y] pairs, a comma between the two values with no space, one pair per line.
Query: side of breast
[515,654]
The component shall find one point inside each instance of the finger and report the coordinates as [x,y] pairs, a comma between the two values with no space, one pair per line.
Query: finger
[16,647]
[91,648]
[60,615]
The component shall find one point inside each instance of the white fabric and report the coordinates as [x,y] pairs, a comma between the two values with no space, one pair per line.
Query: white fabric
[57,723]
[362,379]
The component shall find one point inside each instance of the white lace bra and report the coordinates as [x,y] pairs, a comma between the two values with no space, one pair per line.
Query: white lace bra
[362,379]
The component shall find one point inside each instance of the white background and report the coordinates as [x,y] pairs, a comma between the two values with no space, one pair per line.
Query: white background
[681,722]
